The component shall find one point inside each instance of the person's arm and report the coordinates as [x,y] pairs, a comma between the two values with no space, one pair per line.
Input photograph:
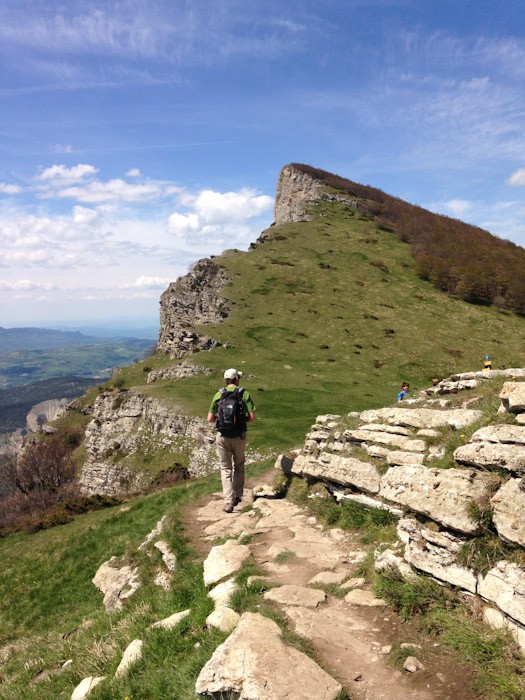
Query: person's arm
[251,417]
[211,417]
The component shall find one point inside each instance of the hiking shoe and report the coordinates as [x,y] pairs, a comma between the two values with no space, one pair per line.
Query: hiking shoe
[228,509]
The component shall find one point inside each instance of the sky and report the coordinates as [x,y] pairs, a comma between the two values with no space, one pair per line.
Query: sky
[138,136]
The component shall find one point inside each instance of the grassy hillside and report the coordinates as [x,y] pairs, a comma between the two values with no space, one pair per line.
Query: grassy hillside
[329,316]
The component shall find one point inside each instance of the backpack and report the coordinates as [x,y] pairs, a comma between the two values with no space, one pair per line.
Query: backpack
[231,416]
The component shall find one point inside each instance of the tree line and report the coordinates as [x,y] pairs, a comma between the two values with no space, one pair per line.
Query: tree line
[460,259]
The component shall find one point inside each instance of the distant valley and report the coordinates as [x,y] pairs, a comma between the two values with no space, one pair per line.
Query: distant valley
[38,364]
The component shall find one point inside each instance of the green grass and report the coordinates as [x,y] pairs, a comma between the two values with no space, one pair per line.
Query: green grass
[318,326]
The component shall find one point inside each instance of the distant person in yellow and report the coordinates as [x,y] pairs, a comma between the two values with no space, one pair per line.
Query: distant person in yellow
[231,410]
[487,365]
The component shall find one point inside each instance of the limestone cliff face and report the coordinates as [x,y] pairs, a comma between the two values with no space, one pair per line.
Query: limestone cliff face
[125,423]
[190,301]
[295,190]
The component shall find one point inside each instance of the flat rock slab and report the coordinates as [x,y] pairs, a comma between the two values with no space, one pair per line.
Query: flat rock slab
[296,595]
[422,417]
[513,396]
[347,471]
[223,618]
[512,434]
[359,596]
[232,524]
[312,545]
[132,654]
[254,663]
[85,687]
[492,455]
[224,560]
[327,578]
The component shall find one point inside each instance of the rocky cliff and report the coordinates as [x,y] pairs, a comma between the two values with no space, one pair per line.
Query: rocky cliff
[190,301]
[296,189]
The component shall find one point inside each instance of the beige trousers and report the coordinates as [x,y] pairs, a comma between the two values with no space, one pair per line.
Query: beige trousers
[231,457]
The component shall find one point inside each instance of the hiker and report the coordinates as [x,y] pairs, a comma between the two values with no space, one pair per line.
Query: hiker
[405,388]
[487,365]
[231,409]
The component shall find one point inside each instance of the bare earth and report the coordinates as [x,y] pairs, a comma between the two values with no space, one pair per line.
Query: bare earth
[351,636]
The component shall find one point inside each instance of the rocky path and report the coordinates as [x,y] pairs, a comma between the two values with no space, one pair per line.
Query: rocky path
[309,575]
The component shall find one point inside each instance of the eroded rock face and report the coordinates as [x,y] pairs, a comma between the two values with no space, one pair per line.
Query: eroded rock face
[442,494]
[507,434]
[347,471]
[126,422]
[193,300]
[436,554]
[254,663]
[504,585]
[508,505]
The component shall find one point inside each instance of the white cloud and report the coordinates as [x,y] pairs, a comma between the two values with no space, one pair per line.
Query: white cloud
[215,212]
[133,172]
[223,207]
[62,175]
[517,178]
[26,285]
[9,189]
[84,215]
[458,207]
[145,282]
[113,191]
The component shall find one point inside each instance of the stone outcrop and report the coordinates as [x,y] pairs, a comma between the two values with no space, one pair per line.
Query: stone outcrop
[296,189]
[193,300]
[442,494]
[117,583]
[254,662]
[443,509]
[508,506]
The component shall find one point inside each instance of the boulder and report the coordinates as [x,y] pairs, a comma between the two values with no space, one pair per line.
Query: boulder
[513,396]
[172,621]
[347,471]
[490,455]
[224,560]
[223,618]
[116,583]
[497,620]
[508,505]
[85,687]
[504,585]
[442,494]
[132,654]
[401,458]
[436,554]
[254,662]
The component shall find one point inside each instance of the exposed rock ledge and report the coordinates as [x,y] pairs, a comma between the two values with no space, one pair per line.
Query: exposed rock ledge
[127,422]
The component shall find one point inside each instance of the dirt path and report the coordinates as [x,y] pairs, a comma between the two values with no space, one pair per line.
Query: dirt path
[351,635]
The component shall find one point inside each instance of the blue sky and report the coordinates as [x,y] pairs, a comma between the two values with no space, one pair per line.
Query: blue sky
[137,136]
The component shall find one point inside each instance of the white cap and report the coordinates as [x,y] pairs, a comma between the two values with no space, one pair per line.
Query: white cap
[232,374]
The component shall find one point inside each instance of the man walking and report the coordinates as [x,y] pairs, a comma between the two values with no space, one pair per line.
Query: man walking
[231,409]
